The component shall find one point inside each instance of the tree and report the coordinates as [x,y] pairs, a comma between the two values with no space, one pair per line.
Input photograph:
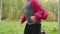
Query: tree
[0,10]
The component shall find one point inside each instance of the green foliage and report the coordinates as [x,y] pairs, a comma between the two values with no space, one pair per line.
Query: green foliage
[52,9]
[12,9]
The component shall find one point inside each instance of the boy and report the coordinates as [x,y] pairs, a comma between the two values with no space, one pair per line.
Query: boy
[33,13]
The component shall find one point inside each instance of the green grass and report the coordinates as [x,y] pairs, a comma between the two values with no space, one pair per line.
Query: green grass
[16,28]
[50,27]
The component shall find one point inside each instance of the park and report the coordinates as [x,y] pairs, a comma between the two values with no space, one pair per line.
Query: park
[11,11]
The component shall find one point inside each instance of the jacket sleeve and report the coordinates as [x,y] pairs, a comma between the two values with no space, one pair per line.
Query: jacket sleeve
[44,14]
[38,9]
[23,19]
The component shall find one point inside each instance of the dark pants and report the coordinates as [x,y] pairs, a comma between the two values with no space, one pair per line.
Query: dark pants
[32,29]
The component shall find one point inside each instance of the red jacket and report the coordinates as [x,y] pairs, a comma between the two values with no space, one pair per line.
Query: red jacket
[39,11]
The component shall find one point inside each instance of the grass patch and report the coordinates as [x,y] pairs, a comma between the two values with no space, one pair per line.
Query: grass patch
[16,28]
[50,27]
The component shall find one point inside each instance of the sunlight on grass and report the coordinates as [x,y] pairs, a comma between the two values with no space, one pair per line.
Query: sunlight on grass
[17,28]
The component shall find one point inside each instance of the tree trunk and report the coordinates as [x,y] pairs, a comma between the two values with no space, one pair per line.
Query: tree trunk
[0,9]
[59,17]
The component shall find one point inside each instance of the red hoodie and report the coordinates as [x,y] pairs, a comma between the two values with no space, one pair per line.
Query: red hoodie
[39,11]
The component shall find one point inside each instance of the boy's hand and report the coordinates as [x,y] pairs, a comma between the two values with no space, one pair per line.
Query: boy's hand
[33,19]
[20,21]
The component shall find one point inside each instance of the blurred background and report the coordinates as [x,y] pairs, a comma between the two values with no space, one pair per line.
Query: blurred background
[11,11]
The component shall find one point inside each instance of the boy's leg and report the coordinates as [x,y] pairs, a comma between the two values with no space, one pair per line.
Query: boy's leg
[35,29]
[26,30]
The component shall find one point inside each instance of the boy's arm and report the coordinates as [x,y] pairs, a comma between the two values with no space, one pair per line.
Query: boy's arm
[23,18]
[45,14]
[38,10]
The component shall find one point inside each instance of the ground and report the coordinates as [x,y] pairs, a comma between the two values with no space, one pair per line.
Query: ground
[17,28]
